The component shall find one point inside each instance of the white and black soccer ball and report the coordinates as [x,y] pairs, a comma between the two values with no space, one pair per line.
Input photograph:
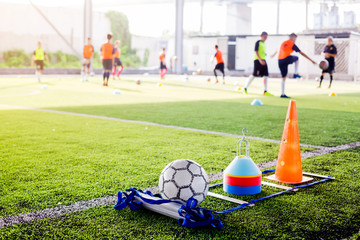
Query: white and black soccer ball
[182,179]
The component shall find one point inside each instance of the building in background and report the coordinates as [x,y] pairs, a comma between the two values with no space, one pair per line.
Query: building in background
[17,34]
[329,19]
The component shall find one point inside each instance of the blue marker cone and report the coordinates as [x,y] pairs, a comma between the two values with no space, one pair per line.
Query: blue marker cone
[256,102]
[116,92]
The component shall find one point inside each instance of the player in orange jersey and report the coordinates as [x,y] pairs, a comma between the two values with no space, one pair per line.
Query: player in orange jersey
[219,64]
[117,60]
[107,57]
[87,55]
[285,59]
[163,68]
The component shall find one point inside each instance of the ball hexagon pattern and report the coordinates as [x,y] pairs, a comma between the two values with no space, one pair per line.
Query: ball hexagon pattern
[182,179]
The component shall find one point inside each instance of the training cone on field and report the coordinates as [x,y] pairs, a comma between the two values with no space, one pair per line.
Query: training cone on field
[332,94]
[256,102]
[288,167]
[242,176]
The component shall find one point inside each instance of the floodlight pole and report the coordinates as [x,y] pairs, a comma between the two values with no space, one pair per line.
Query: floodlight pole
[179,36]
[55,29]
[88,25]
[307,14]
[278,18]
[201,16]
[87,19]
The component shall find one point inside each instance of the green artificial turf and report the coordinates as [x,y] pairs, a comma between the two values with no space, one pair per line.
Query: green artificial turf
[49,159]
[323,120]
[325,211]
[317,127]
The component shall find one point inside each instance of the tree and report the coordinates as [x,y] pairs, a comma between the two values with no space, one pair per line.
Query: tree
[120,27]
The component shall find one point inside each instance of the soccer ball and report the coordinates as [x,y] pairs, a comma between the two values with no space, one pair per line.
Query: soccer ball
[138,81]
[324,64]
[182,179]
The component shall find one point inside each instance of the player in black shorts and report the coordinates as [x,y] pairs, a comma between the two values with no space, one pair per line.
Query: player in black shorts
[330,52]
[219,64]
[38,58]
[260,65]
[107,58]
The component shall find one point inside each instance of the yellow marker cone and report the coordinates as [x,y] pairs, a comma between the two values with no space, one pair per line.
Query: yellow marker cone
[332,94]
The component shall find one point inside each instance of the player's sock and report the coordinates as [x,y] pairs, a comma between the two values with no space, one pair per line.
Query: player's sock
[282,87]
[265,84]
[120,71]
[250,79]
[104,76]
[38,76]
[331,79]
[114,71]
[321,79]
[215,74]
[297,67]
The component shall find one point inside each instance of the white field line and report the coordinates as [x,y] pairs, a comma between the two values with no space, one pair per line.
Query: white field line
[151,124]
[35,92]
[110,200]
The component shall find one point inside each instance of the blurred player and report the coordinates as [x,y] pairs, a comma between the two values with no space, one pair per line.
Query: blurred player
[107,57]
[87,54]
[260,65]
[330,53]
[38,57]
[285,59]
[117,60]
[163,68]
[219,64]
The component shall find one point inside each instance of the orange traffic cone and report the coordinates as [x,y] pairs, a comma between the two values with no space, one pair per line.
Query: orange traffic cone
[288,168]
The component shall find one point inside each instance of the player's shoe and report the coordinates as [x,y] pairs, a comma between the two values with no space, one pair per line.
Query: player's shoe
[223,82]
[266,93]
[297,76]
[104,84]
[319,86]
[245,90]
[217,81]
[284,96]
